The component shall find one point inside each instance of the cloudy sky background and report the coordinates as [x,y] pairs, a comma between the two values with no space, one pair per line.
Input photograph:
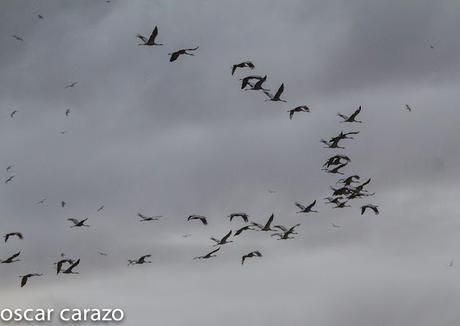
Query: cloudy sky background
[145,135]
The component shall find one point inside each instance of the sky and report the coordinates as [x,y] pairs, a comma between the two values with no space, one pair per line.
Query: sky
[174,139]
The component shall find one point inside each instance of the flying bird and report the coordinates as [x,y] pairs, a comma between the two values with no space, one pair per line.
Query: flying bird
[302,108]
[71,85]
[245,64]
[78,223]
[408,108]
[13,113]
[451,264]
[69,270]
[18,38]
[13,234]
[102,253]
[151,40]
[267,226]
[175,55]
[9,179]
[100,208]
[144,218]
[306,209]
[67,112]
[63,203]
[203,219]
[222,241]
[9,167]
[140,261]
[246,81]
[336,226]
[40,16]
[41,201]
[372,207]
[352,117]
[258,85]
[244,228]
[62,262]
[208,255]
[11,259]
[244,216]
[277,96]
[24,278]
[250,255]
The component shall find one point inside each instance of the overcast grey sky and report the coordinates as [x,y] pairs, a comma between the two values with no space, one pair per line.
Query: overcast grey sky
[173,139]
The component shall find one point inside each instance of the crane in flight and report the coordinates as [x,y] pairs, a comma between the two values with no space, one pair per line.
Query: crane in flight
[24,278]
[222,241]
[13,234]
[78,223]
[277,96]
[12,259]
[140,261]
[151,40]
[267,226]
[250,255]
[244,64]
[306,209]
[352,117]
[175,55]
[202,218]
[208,255]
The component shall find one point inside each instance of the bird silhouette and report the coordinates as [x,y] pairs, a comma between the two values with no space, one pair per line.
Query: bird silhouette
[18,38]
[372,207]
[250,255]
[203,219]
[267,226]
[277,96]
[13,113]
[408,108]
[352,117]
[63,203]
[144,218]
[24,278]
[246,81]
[245,64]
[306,209]
[13,234]
[41,201]
[71,85]
[9,167]
[302,108]
[62,262]
[140,261]
[77,223]
[244,228]
[349,180]
[244,216]
[208,255]
[12,259]
[336,225]
[69,270]
[258,85]
[67,112]
[100,208]
[40,16]
[175,55]
[151,40]
[9,179]
[222,241]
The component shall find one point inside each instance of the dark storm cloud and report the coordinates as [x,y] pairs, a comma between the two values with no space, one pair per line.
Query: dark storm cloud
[145,135]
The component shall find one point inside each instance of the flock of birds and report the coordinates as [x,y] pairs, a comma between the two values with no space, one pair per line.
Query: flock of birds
[348,189]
